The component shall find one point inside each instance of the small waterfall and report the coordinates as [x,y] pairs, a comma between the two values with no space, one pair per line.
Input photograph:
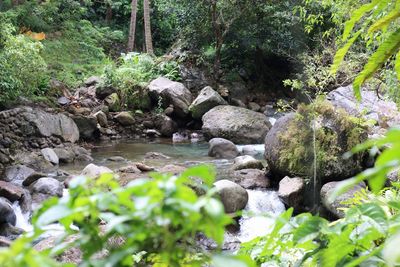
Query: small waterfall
[22,218]
[254,223]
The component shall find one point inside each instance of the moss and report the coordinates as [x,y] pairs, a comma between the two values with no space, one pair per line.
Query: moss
[336,133]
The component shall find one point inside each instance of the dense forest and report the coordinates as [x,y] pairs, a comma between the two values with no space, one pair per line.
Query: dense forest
[199,133]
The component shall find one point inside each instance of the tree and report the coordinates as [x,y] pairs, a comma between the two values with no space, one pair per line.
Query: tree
[147,27]
[132,28]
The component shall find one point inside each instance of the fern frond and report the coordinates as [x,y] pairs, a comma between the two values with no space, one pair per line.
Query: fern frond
[397,65]
[341,53]
[381,55]
[357,15]
[385,21]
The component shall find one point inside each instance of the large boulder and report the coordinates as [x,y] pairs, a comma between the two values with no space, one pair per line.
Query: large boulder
[247,162]
[233,196]
[289,145]
[45,188]
[336,206]
[125,118]
[291,191]
[65,155]
[94,171]
[50,155]
[240,125]
[10,191]
[16,174]
[87,126]
[251,178]
[173,93]
[165,125]
[222,148]
[47,124]
[7,214]
[206,100]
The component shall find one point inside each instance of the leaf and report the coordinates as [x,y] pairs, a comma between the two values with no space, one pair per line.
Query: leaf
[53,215]
[385,21]
[397,65]
[381,55]
[341,53]
[308,228]
[391,252]
[232,261]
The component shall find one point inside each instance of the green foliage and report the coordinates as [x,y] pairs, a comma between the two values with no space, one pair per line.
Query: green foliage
[148,222]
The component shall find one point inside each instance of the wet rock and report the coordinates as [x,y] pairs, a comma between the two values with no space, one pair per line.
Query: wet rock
[47,186]
[206,100]
[152,133]
[180,137]
[239,125]
[249,150]
[113,102]
[130,169]
[171,93]
[172,169]
[7,215]
[50,155]
[254,106]
[222,148]
[337,205]
[251,178]
[291,191]
[155,155]
[10,231]
[166,126]
[17,174]
[247,162]
[94,171]
[101,118]
[10,191]
[87,126]
[233,196]
[143,167]
[4,242]
[33,178]
[116,159]
[65,155]
[125,118]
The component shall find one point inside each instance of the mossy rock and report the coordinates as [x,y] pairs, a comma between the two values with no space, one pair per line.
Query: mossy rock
[289,145]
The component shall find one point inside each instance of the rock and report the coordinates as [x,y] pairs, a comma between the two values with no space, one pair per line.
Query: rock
[172,169]
[233,196]
[166,126]
[393,177]
[291,191]
[239,125]
[247,162]
[169,111]
[87,126]
[33,178]
[93,80]
[222,148]
[101,118]
[125,118]
[50,155]
[17,174]
[63,101]
[47,124]
[254,106]
[249,150]
[289,144]
[94,171]
[143,167]
[113,102]
[130,169]
[4,242]
[155,155]
[336,206]
[152,133]
[116,159]
[47,186]
[10,231]
[10,191]
[206,100]
[64,155]
[251,178]
[180,137]
[171,93]
[7,215]
[238,103]
[33,160]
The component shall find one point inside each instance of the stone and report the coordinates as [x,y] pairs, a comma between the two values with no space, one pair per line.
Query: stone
[172,169]
[222,148]
[4,242]
[50,155]
[93,80]
[113,102]
[251,179]
[250,150]
[7,215]
[87,126]
[291,191]
[166,126]
[64,155]
[63,101]
[155,155]
[143,167]
[206,100]
[247,162]
[17,174]
[171,93]
[125,118]
[337,205]
[101,118]
[47,186]
[239,125]
[130,169]
[254,106]
[10,231]
[233,196]
[94,171]
[10,191]
[116,158]
[33,178]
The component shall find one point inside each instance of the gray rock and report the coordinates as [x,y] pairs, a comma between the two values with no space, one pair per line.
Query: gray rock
[155,155]
[254,106]
[47,186]
[206,100]
[247,162]
[113,102]
[63,101]
[50,155]
[338,204]
[93,80]
[17,174]
[249,150]
[116,159]
[4,242]
[251,178]
[101,118]
[233,196]
[94,171]
[171,93]
[222,148]
[166,126]
[10,191]
[291,191]
[125,118]
[239,125]
[64,155]
[87,126]
[33,178]
[7,215]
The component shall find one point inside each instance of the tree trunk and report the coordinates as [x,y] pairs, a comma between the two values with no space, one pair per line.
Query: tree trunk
[15,2]
[109,13]
[219,39]
[132,28]
[147,27]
